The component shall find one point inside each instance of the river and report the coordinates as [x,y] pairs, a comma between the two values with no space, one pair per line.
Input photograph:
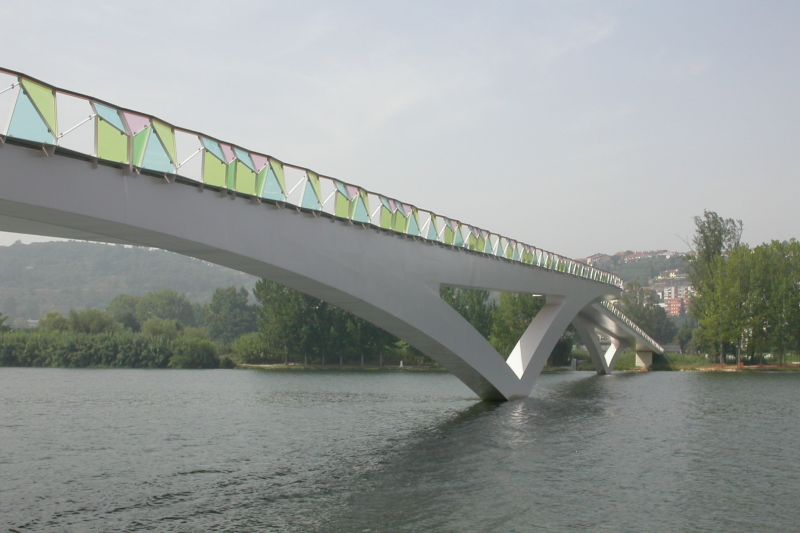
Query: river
[180,450]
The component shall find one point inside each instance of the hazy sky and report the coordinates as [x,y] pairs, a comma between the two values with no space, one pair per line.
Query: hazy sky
[574,126]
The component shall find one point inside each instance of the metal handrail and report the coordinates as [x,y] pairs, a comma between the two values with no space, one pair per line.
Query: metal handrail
[390,214]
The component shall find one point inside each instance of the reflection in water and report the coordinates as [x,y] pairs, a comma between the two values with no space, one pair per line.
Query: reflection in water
[184,450]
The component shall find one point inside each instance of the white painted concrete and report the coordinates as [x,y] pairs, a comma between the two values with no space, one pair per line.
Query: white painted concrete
[391,280]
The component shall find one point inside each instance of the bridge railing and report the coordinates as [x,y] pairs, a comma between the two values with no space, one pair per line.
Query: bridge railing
[631,324]
[56,119]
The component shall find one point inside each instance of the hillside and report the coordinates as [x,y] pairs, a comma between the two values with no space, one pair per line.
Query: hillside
[41,277]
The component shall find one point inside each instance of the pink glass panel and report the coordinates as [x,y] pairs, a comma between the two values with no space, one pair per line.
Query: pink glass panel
[136,123]
[259,161]
[228,151]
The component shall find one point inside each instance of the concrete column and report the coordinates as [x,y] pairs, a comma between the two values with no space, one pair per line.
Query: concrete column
[534,347]
[603,360]
[644,359]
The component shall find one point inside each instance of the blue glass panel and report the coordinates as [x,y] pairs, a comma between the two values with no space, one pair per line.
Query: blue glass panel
[245,158]
[459,239]
[110,115]
[310,200]
[360,214]
[413,227]
[156,158]
[432,234]
[272,189]
[214,148]
[26,123]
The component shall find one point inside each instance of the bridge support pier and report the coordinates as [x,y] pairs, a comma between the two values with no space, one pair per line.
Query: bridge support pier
[603,360]
[644,359]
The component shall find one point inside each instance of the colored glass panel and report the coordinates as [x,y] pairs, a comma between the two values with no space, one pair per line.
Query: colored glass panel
[26,123]
[360,213]
[259,161]
[277,169]
[399,221]
[228,152]
[213,147]
[112,144]
[433,233]
[272,188]
[261,177]
[44,99]
[230,176]
[386,218]
[139,145]
[310,198]
[313,179]
[156,157]
[341,206]
[245,179]
[244,157]
[110,115]
[413,226]
[167,136]
[341,187]
[449,234]
[213,170]
[459,239]
[136,123]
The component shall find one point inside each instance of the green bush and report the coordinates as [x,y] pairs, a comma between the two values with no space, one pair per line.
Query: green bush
[190,352]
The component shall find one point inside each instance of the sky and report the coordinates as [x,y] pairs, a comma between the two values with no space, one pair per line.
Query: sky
[578,127]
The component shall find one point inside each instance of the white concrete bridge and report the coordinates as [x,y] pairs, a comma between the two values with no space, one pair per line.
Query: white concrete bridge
[77,167]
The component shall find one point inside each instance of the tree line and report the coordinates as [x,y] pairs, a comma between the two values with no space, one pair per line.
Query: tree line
[748,299]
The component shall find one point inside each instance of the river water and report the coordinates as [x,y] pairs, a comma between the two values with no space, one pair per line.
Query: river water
[140,450]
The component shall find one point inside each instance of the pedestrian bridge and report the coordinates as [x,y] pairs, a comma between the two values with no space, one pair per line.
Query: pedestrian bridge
[75,166]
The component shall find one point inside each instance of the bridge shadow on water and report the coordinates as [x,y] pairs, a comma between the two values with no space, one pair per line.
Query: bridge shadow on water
[474,458]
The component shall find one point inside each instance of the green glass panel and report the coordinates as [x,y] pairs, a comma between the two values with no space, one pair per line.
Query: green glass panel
[245,179]
[509,252]
[27,123]
[112,145]
[272,189]
[213,170]
[449,234]
[399,221]
[139,144]
[386,218]
[360,213]
[261,177]
[45,101]
[167,137]
[472,242]
[487,247]
[230,176]
[310,198]
[342,206]
[277,169]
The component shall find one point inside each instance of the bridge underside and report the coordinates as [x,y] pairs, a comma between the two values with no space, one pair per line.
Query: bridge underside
[388,279]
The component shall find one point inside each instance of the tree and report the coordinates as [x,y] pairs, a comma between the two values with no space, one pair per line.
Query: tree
[168,305]
[641,306]
[512,316]
[229,315]
[123,309]
[3,326]
[715,238]
[193,353]
[474,305]
[53,321]
[159,327]
[91,321]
